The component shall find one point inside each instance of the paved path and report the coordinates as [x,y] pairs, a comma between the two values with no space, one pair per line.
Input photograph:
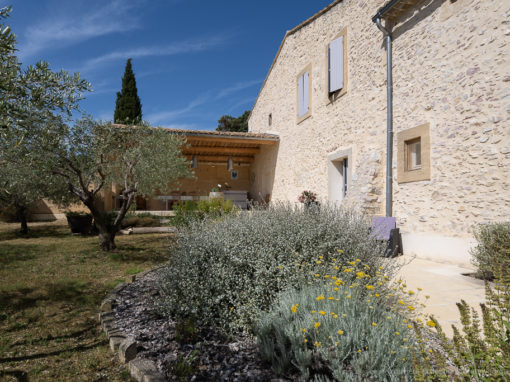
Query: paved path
[135,230]
[445,285]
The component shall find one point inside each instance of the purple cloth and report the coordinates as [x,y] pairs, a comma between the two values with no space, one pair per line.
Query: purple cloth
[382,226]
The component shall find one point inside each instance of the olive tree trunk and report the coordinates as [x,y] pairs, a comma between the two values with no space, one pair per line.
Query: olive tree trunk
[107,231]
[21,214]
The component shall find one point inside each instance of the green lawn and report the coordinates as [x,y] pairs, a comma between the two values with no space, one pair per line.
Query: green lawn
[51,285]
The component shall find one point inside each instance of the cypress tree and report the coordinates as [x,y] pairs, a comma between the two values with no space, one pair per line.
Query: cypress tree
[128,108]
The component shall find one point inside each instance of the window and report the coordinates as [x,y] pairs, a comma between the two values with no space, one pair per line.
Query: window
[304,94]
[336,66]
[339,175]
[413,155]
[345,167]
[270,119]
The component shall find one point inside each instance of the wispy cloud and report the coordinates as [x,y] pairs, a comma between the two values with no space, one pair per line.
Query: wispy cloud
[68,27]
[237,87]
[241,103]
[190,46]
[156,118]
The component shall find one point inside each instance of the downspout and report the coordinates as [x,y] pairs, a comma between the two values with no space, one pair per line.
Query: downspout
[389,117]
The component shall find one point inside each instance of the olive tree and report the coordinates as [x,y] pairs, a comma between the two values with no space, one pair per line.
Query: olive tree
[141,160]
[32,101]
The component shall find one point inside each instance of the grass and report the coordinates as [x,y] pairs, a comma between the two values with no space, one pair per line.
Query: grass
[52,283]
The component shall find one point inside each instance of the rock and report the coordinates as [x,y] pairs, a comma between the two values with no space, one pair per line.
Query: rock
[106,305]
[115,342]
[127,350]
[144,370]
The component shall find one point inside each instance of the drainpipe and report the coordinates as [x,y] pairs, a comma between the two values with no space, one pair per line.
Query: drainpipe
[389,117]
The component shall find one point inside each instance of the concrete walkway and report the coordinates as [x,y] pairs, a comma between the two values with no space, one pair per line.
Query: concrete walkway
[445,285]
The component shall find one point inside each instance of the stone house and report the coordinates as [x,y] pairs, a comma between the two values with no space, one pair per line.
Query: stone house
[326,97]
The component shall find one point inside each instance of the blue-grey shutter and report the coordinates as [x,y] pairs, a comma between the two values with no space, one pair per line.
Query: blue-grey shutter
[336,64]
[306,85]
[300,96]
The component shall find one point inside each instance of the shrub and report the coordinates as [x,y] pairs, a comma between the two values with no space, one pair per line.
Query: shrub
[137,221]
[493,249]
[342,333]
[8,214]
[226,272]
[189,211]
[481,351]
[477,356]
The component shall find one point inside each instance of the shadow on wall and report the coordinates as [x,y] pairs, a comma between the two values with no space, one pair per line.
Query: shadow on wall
[263,173]
[416,14]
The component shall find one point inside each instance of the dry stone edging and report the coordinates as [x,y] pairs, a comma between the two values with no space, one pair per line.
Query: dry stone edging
[143,370]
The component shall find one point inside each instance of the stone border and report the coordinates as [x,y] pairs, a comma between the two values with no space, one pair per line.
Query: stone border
[125,346]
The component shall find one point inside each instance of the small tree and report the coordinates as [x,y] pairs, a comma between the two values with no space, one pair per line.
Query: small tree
[141,159]
[229,123]
[31,101]
[128,108]
[23,184]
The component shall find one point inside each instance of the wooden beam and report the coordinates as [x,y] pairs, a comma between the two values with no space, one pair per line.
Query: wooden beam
[204,150]
[226,140]
[224,159]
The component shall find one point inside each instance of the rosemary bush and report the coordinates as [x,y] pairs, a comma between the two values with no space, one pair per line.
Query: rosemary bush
[481,349]
[338,331]
[493,249]
[226,272]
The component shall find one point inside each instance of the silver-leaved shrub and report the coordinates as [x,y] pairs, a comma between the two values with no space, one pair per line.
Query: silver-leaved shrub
[337,332]
[226,272]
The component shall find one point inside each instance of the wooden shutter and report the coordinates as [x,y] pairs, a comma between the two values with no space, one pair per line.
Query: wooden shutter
[336,64]
[306,90]
[300,96]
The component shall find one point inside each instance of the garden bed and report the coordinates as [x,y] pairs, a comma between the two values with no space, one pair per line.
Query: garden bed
[206,355]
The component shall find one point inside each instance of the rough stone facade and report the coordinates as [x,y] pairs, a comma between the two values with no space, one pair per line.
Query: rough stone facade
[451,70]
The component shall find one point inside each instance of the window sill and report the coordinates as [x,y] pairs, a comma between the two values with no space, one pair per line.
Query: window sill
[302,118]
[332,97]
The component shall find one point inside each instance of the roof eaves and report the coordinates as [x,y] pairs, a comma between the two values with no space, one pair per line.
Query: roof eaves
[385,8]
[264,137]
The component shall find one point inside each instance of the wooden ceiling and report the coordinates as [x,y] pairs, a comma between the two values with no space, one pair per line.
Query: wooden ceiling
[219,149]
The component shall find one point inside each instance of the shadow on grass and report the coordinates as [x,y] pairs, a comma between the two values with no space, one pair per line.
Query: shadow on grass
[67,290]
[53,353]
[137,253]
[10,253]
[36,232]
[75,334]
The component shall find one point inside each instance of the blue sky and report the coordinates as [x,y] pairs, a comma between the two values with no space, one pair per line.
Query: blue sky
[193,60]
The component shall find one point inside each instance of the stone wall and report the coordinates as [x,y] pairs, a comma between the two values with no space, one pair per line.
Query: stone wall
[450,70]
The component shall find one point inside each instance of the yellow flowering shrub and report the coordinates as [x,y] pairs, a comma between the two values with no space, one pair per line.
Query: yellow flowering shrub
[350,333]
